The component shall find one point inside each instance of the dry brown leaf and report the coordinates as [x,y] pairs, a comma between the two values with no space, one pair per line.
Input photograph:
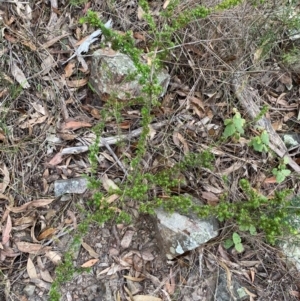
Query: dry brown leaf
[116,268]
[210,197]
[151,133]
[287,80]
[108,184]
[45,275]
[166,4]
[95,113]
[128,292]
[213,189]
[54,40]
[170,284]
[137,263]
[288,116]
[24,220]
[75,125]
[33,121]
[55,257]
[147,255]
[41,284]
[3,93]
[145,298]
[104,271]
[32,204]
[10,38]
[257,54]
[197,101]
[47,233]
[30,248]
[135,279]
[30,45]
[73,217]
[178,138]
[69,69]
[89,263]
[112,198]
[90,250]
[125,125]
[6,230]
[6,180]
[139,36]
[77,83]
[127,238]
[249,293]
[31,271]
[67,136]
[235,166]
[295,294]
[57,159]
[9,252]
[252,273]
[39,108]
[140,13]
[270,180]
[48,64]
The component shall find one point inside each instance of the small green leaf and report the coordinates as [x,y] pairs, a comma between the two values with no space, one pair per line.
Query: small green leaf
[286,172]
[265,137]
[280,174]
[239,247]
[229,130]
[285,160]
[238,122]
[228,243]
[236,238]
[252,230]
[244,228]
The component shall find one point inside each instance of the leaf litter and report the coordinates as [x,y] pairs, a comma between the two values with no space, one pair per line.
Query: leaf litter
[29,173]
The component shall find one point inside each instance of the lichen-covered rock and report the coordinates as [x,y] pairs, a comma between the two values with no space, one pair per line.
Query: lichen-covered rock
[178,233]
[110,76]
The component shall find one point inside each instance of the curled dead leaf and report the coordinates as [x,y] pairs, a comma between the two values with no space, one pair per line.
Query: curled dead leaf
[6,179]
[47,233]
[108,184]
[89,263]
[135,279]
[31,269]
[69,69]
[145,298]
[58,158]
[30,248]
[55,257]
[78,83]
[7,230]
[75,125]
[90,250]
[19,76]
[34,204]
[127,238]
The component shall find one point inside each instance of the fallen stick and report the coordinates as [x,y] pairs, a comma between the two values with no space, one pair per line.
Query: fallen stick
[111,140]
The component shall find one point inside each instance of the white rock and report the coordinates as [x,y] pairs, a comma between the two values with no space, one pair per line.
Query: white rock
[180,233]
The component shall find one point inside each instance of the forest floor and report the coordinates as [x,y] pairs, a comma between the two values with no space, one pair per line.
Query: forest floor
[47,106]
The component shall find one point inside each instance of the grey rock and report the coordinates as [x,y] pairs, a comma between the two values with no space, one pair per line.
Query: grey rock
[178,233]
[291,250]
[76,185]
[29,290]
[233,293]
[109,76]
